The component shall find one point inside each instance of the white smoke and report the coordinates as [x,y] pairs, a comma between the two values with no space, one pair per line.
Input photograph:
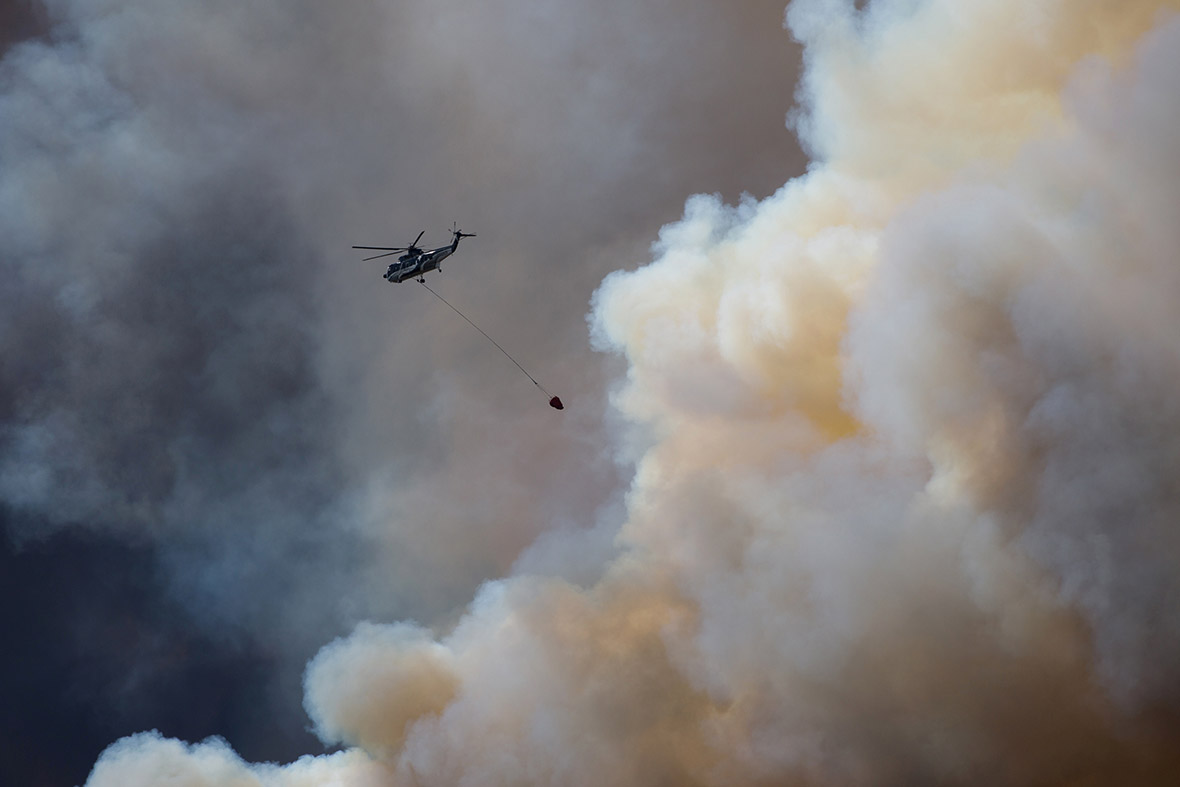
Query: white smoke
[905,510]
[150,759]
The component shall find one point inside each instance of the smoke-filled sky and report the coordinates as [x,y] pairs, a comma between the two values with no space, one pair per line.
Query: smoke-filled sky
[224,440]
[868,473]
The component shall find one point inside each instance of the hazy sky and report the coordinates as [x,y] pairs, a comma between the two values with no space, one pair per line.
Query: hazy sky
[865,477]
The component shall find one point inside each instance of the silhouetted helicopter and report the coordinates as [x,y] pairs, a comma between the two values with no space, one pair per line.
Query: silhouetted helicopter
[416,262]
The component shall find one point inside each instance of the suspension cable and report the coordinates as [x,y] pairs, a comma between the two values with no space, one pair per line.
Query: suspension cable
[554,401]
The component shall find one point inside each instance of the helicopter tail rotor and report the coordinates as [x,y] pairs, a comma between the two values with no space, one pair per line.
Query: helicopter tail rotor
[458,233]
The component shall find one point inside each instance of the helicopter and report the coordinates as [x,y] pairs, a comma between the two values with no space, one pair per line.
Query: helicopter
[416,262]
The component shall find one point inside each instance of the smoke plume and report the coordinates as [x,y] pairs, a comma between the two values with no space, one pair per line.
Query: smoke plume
[904,507]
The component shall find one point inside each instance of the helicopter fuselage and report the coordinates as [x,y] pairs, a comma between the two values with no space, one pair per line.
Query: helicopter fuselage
[410,266]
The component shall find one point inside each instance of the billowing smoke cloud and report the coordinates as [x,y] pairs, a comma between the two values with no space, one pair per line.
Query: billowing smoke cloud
[905,504]
[213,763]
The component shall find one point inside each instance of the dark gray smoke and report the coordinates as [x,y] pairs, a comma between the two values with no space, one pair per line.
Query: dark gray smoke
[158,359]
[196,365]
[192,355]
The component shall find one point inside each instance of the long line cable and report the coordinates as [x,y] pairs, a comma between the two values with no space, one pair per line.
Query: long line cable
[553,401]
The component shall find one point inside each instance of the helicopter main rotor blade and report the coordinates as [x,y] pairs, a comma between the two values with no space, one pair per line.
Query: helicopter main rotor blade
[415,243]
[383,248]
[379,256]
